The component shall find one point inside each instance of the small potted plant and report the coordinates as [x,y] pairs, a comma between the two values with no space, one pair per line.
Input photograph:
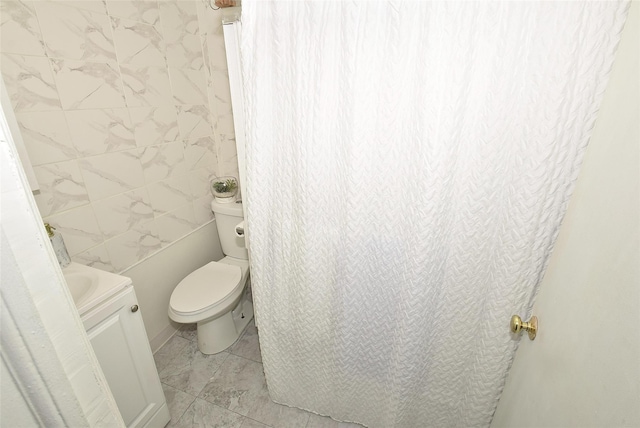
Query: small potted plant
[224,189]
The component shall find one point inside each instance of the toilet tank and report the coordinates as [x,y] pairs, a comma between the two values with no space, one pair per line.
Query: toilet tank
[227,217]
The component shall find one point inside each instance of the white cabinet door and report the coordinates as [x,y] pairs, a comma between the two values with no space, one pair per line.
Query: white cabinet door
[120,342]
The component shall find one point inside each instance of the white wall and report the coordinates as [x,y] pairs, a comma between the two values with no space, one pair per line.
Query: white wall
[583,369]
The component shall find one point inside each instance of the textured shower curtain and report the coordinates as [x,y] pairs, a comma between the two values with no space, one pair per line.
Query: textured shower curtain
[408,168]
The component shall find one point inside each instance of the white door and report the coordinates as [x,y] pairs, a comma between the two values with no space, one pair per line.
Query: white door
[583,368]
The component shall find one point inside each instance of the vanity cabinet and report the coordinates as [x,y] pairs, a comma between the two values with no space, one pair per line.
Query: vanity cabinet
[119,340]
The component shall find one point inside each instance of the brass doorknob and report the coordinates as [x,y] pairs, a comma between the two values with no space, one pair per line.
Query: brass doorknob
[518,325]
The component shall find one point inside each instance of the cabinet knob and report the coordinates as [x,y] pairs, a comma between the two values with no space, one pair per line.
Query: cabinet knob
[134,308]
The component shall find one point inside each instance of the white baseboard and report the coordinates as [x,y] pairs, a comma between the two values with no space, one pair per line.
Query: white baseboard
[162,337]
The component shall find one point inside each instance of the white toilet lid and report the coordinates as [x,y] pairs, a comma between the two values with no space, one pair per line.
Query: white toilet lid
[205,287]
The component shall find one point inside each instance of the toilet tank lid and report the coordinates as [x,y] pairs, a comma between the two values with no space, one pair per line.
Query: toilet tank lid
[205,287]
[230,208]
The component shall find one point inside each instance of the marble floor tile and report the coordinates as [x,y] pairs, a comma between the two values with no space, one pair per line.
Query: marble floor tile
[204,414]
[230,387]
[177,401]
[317,421]
[276,415]
[236,385]
[169,351]
[240,386]
[191,370]
[248,346]
[189,331]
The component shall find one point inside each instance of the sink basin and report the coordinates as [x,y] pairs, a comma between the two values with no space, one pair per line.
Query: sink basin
[90,286]
[80,285]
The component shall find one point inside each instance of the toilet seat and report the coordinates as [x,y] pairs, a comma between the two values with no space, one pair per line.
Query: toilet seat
[208,291]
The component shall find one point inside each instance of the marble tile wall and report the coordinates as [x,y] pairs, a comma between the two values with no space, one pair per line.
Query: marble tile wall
[124,107]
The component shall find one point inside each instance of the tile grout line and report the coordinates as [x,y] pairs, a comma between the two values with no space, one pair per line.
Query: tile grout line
[229,410]
[213,374]
[185,410]
[248,359]
[198,397]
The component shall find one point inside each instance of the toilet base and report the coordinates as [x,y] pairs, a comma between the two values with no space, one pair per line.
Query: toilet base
[218,334]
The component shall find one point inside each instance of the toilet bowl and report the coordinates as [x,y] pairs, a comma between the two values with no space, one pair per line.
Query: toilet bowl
[214,296]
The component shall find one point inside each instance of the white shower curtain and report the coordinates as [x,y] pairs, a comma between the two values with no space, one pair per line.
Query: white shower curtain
[408,167]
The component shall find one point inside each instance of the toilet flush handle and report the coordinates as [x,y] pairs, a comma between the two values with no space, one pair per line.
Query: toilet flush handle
[240,229]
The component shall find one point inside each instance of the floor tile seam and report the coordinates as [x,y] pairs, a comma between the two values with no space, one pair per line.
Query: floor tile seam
[215,404]
[247,417]
[185,410]
[160,369]
[178,351]
[246,358]
[238,340]
[200,394]
[229,410]
[181,390]
[200,397]
[265,424]
[212,375]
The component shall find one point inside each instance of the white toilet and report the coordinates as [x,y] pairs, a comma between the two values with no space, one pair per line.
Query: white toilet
[214,296]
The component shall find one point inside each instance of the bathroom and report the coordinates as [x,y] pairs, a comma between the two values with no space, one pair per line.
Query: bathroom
[131,122]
